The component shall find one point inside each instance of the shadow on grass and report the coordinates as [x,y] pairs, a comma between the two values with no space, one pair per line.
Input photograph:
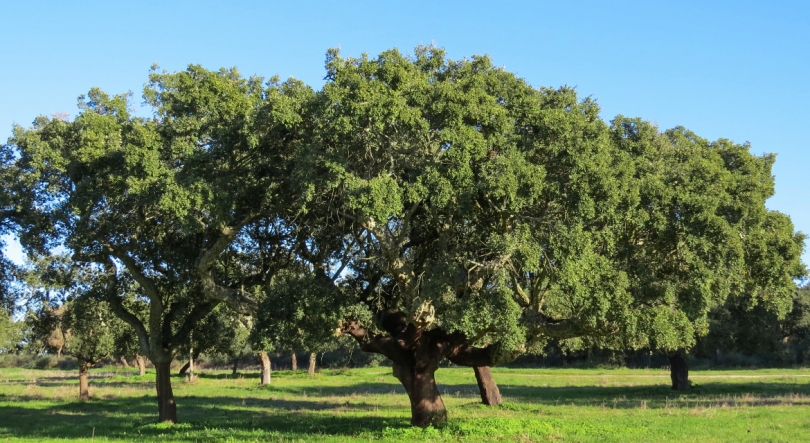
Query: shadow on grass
[201,417]
[652,396]
[324,410]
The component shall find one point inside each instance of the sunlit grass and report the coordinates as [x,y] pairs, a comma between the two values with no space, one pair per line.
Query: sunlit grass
[369,404]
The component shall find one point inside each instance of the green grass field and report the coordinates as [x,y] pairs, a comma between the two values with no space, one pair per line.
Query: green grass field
[618,405]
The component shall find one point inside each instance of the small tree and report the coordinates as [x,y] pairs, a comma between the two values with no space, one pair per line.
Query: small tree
[90,335]
[293,313]
[46,283]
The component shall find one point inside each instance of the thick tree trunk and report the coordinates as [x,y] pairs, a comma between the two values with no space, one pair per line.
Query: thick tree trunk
[294,362]
[312,358]
[416,353]
[265,368]
[84,391]
[167,409]
[141,365]
[679,373]
[235,365]
[490,394]
[427,407]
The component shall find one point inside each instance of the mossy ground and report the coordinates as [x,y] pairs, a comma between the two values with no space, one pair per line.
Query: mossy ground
[618,405]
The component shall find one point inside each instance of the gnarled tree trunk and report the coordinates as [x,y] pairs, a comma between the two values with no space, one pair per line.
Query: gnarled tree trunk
[265,368]
[141,365]
[490,394]
[84,390]
[416,353]
[427,407]
[123,361]
[167,409]
[312,359]
[294,362]
[679,372]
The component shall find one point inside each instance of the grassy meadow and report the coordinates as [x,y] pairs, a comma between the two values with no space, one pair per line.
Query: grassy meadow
[593,405]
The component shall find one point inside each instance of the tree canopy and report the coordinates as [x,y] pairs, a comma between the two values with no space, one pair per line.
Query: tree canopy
[430,208]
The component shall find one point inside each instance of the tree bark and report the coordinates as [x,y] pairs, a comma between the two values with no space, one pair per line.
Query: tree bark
[679,373]
[312,358]
[167,409]
[416,353]
[235,365]
[84,391]
[427,407]
[190,371]
[141,365]
[184,369]
[490,394]
[123,361]
[294,362]
[265,368]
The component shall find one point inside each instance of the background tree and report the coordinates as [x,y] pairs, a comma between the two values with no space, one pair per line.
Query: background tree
[222,332]
[45,285]
[746,327]
[296,314]
[11,333]
[233,336]
[90,335]
[700,234]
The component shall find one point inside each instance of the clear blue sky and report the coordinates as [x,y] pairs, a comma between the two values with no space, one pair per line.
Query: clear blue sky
[738,70]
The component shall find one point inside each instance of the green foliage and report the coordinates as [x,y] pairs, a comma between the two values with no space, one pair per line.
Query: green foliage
[750,327]
[11,333]
[90,329]
[297,314]
[449,190]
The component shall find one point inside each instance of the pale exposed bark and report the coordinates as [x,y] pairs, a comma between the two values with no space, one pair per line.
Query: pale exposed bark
[141,365]
[190,372]
[312,360]
[266,370]
[84,390]
[294,362]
